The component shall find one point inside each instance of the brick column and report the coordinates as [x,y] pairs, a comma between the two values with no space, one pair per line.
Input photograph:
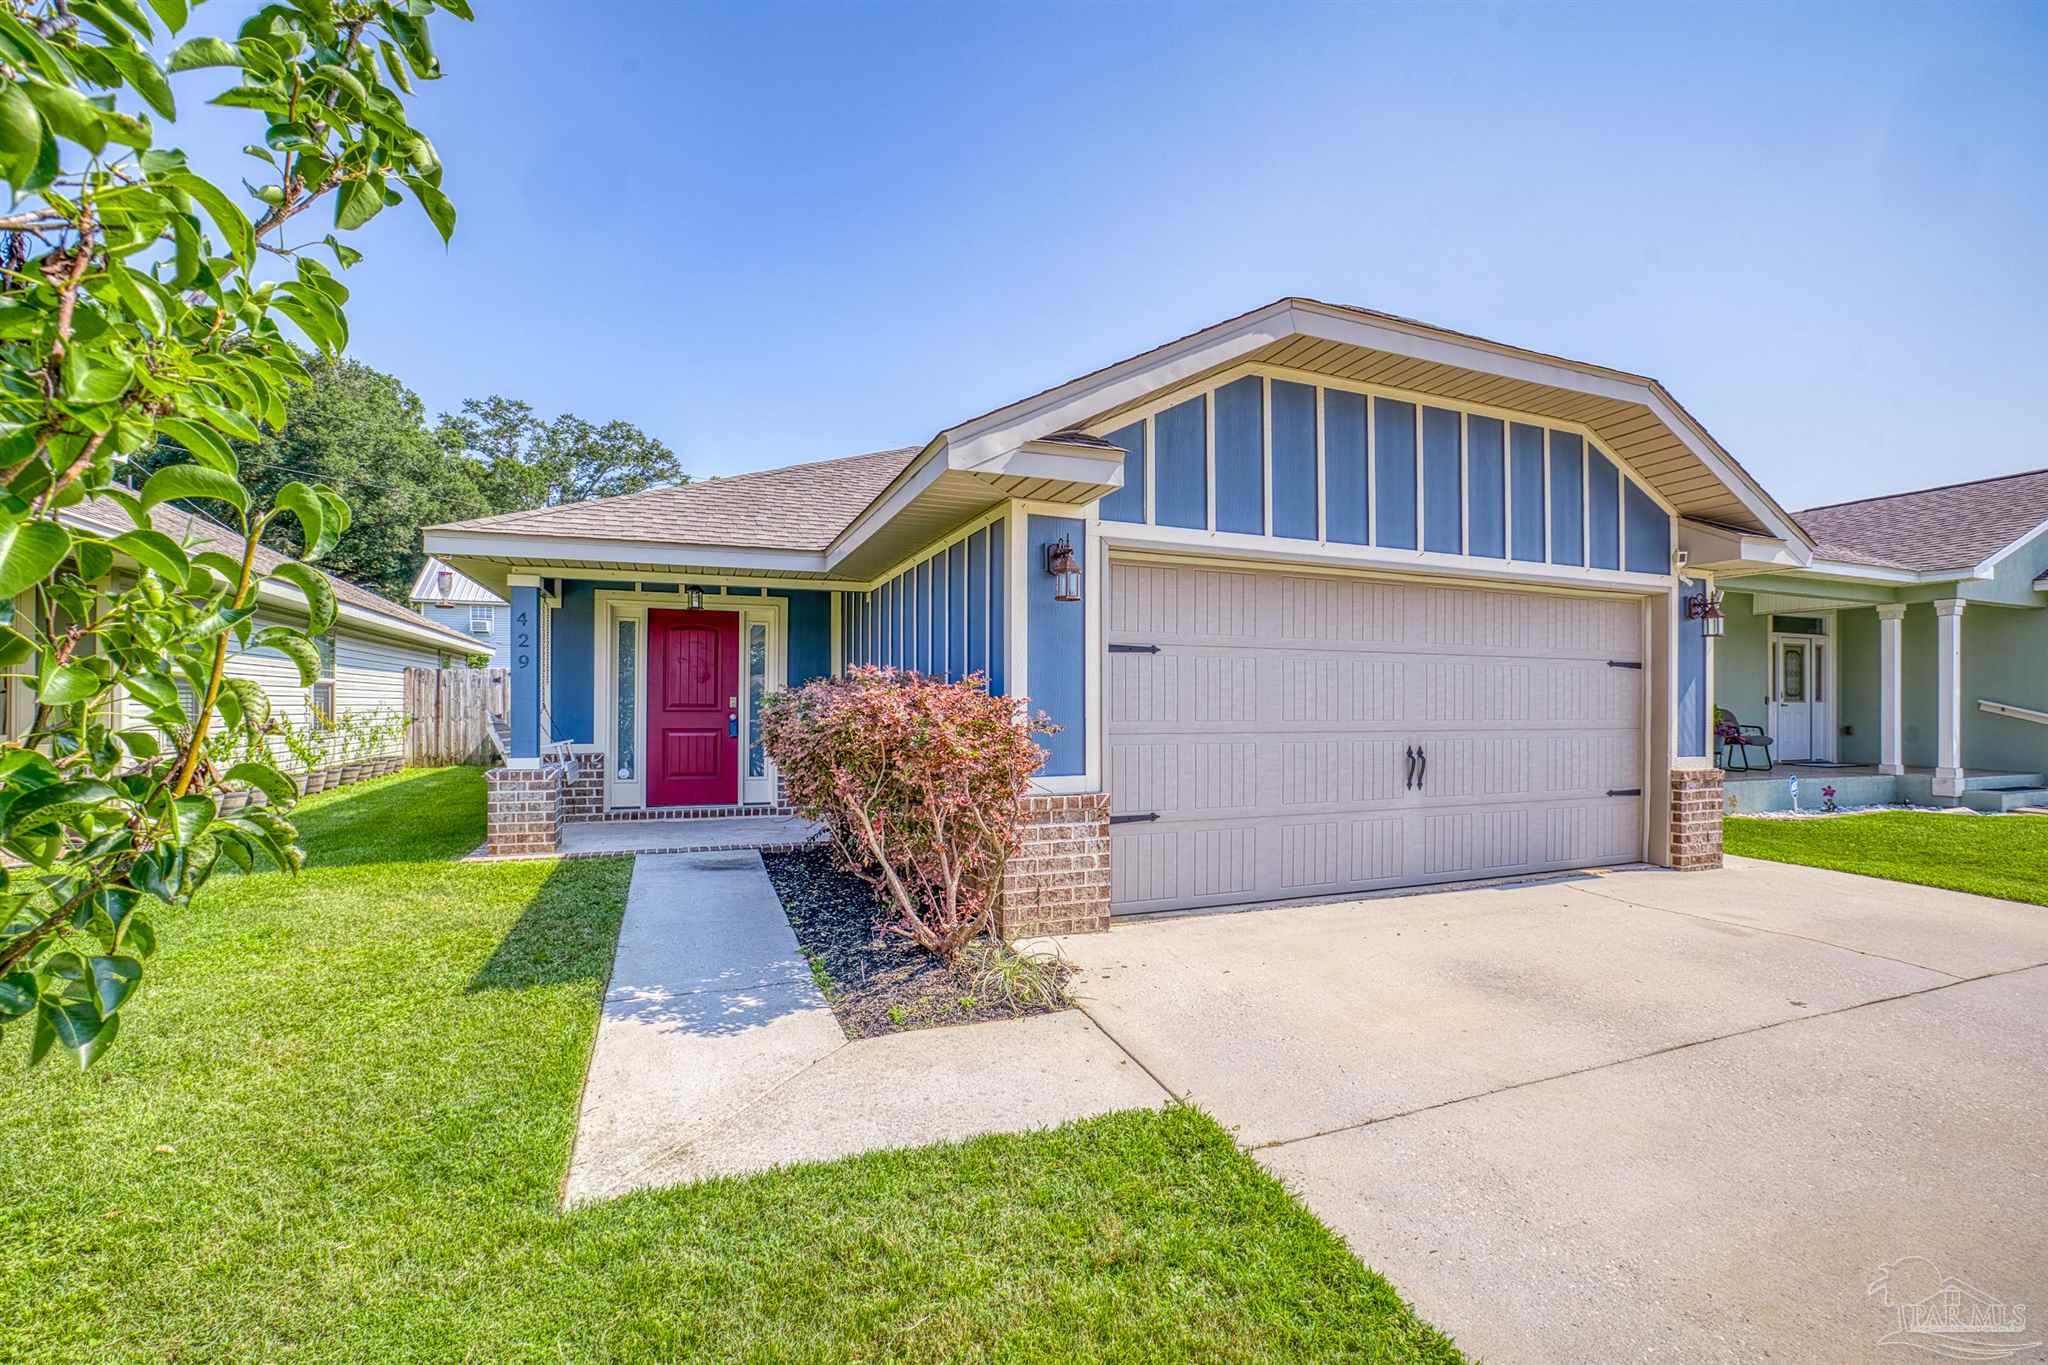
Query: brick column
[1058,882]
[525,809]
[583,798]
[1696,810]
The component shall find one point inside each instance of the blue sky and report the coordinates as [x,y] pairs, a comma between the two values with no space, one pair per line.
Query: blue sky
[775,233]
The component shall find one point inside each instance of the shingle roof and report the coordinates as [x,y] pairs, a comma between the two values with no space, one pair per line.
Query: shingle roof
[1956,526]
[191,530]
[801,507]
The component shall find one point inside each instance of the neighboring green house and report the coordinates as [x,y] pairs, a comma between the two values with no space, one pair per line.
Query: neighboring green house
[1916,639]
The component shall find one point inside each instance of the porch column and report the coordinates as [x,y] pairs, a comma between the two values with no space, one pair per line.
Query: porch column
[1948,646]
[526,607]
[1891,748]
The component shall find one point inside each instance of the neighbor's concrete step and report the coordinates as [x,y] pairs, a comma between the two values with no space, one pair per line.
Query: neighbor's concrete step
[1993,782]
[2005,799]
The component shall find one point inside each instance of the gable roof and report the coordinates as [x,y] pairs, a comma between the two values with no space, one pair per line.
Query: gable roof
[200,533]
[797,507]
[856,516]
[1954,526]
[462,590]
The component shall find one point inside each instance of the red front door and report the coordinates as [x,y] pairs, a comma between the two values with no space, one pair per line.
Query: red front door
[693,708]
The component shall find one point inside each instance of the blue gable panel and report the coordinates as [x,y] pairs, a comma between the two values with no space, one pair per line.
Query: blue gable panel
[572,640]
[1603,511]
[906,638]
[1649,532]
[1692,683]
[1443,515]
[526,699]
[1294,460]
[1058,652]
[1393,462]
[1486,491]
[977,602]
[998,609]
[1567,493]
[1241,456]
[810,634]
[1347,504]
[956,611]
[1525,450]
[1128,502]
[925,616]
[1181,461]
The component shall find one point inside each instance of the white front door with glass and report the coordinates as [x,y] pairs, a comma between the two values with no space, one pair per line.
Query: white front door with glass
[1802,707]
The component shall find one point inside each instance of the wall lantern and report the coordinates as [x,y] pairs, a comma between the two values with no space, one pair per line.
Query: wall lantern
[1705,608]
[1065,569]
[444,583]
[693,598]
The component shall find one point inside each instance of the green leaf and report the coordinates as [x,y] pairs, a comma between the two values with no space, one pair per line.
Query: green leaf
[190,815]
[232,222]
[69,114]
[67,684]
[293,646]
[142,296]
[152,687]
[17,649]
[86,384]
[316,323]
[302,502]
[146,78]
[440,210]
[172,12]
[155,550]
[227,419]
[193,481]
[206,446]
[95,560]
[194,53]
[357,202]
[341,78]
[78,1026]
[21,134]
[137,935]
[18,994]
[266,779]
[254,700]
[319,593]
[114,979]
[459,8]
[144,744]
[29,552]
[40,807]
[396,67]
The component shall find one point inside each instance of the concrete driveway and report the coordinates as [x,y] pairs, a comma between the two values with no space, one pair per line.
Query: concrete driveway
[1635,1116]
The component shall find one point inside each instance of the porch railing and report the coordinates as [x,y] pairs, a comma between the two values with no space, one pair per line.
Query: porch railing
[1999,708]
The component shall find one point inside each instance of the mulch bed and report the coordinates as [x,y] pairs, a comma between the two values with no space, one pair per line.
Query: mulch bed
[878,983]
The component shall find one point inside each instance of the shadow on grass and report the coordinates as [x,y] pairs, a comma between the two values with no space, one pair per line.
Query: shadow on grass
[567,931]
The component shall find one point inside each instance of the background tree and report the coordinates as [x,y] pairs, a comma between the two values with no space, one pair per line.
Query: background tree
[130,308]
[520,461]
[365,434]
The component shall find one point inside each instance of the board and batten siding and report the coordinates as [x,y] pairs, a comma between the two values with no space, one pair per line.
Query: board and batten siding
[943,614]
[1292,460]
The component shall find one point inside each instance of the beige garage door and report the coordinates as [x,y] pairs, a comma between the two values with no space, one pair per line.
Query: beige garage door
[1276,735]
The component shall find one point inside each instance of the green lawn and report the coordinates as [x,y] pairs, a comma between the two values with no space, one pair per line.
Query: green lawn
[2004,856]
[338,1114]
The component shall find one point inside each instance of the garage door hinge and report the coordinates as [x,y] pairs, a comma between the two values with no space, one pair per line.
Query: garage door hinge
[1134,649]
[1622,663]
[1624,791]
[1133,819]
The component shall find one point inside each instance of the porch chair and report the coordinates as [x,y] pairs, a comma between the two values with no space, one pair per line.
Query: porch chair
[1734,736]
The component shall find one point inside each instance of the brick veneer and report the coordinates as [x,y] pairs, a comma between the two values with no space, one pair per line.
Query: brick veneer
[1697,806]
[525,808]
[1058,882]
[584,799]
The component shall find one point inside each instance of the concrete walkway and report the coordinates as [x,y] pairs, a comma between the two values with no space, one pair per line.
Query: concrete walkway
[604,838]
[717,1055]
[1634,1116]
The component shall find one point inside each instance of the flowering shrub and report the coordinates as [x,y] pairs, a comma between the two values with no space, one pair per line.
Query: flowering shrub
[916,780]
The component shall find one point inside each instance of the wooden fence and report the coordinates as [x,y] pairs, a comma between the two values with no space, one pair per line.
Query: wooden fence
[451,714]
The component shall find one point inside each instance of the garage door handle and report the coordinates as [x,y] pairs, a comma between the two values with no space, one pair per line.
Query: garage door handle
[1408,783]
[1422,774]
[1134,649]
[1133,819]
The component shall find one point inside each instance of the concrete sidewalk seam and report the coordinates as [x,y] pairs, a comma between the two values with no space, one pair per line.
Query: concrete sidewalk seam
[1641,1056]
[1783,933]
[1081,1009]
